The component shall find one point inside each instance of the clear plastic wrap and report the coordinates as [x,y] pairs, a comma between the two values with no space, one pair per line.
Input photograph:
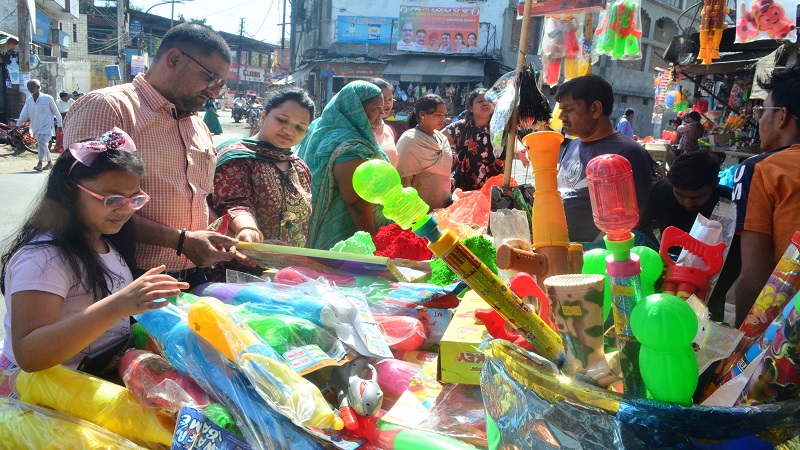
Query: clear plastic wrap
[619,32]
[530,405]
[274,380]
[158,385]
[562,41]
[105,404]
[27,426]
[261,426]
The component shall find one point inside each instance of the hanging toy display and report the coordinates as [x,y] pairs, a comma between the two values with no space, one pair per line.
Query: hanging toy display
[620,30]
[765,19]
[711,25]
[563,41]
[663,83]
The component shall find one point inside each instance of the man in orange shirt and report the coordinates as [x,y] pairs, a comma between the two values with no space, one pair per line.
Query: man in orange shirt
[767,187]
[159,111]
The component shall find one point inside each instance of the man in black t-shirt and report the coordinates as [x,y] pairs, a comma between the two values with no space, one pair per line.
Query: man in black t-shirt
[586,104]
[692,187]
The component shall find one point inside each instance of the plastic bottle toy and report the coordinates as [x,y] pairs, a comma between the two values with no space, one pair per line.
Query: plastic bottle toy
[615,212]
[665,326]
[376,181]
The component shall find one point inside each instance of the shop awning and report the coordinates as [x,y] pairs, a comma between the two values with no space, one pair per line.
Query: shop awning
[734,62]
[443,69]
[295,76]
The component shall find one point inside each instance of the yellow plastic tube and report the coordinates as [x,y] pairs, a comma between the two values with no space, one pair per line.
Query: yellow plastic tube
[100,402]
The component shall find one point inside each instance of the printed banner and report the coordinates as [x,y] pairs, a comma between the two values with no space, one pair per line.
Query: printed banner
[438,30]
[359,29]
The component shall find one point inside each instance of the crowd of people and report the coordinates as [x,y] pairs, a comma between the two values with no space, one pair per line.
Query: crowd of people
[129,212]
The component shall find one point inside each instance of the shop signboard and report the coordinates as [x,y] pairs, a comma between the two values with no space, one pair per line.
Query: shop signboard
[438,29]
[560,6]
[354,70]
[42,31]
[137,65]
[136,28]
[361,29]
[98,75]
[252,74]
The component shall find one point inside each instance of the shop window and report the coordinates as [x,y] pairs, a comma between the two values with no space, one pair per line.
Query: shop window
[646,24]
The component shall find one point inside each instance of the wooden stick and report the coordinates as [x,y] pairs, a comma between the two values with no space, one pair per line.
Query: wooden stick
[511,142]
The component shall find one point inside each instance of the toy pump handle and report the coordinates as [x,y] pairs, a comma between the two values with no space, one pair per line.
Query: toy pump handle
[712,255]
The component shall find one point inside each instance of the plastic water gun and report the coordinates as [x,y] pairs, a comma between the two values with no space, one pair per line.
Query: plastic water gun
[276,382]
[28,426]
[155,383]
[711,25]
[261,425]
[560,42]
[665,325]
[219,414]
[615,212]
[685,281]
[377,181]
[357,396]
[388,436]
[496,326]
[618,34]
[100,402]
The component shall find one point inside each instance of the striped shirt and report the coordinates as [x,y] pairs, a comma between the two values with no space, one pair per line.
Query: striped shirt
[178,155]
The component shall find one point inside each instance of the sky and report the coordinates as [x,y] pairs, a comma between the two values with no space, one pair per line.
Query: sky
[262,17]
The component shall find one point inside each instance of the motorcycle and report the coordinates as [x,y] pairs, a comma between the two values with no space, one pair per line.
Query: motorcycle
[254,117]
[18,137]
[239,110]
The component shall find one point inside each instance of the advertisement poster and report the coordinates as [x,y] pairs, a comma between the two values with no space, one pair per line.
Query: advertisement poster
[137,65]
[282,63]
[438,30]
[360,29]
[98,74]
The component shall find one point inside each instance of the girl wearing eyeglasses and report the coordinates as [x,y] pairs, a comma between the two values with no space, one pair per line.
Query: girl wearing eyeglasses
[67,276]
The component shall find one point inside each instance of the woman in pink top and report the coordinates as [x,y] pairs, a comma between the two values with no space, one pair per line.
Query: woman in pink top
[384,133]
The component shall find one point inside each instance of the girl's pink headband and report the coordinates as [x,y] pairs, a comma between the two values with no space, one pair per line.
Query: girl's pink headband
[87,151]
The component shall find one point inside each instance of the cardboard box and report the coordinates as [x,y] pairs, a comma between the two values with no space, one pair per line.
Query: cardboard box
[720,139]
[460,361]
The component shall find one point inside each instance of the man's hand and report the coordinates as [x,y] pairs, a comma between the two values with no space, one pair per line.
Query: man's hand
[206,248]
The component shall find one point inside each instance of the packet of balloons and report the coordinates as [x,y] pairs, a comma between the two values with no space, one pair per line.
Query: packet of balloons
[529,404]
[195,430]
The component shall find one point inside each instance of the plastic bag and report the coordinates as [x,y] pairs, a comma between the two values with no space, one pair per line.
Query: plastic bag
[261,426]
[530,405]
[27,426]
[620,30]
[105,404]
[562,41]
[765,19]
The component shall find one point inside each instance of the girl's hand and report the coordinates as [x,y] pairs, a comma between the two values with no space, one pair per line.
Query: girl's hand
[248,235]
[147,292]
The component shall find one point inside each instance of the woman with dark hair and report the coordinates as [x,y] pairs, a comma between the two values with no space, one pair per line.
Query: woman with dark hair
[67,276]
[472,43]
[424,153]
[339,141]
[211,118]
[260,182]
[384,133]
[474,160]
[458,43]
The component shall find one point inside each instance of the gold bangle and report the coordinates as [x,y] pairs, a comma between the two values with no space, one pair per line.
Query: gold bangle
[260,234]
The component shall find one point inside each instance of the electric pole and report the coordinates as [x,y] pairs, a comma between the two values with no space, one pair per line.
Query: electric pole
[121,38]
[283,27]
[239,54]
[24,25]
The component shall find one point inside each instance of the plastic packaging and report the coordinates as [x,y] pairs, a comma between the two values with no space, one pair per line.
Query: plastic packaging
[563,35]
[401,332]
[105,404]
[394,377]
[620,30]
[219,414]
[157,384]
[276,382]
[27,426]
[261,426]
[780,288]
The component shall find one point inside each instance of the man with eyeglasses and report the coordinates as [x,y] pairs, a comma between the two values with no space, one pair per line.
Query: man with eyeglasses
[159,111]
[767,187]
